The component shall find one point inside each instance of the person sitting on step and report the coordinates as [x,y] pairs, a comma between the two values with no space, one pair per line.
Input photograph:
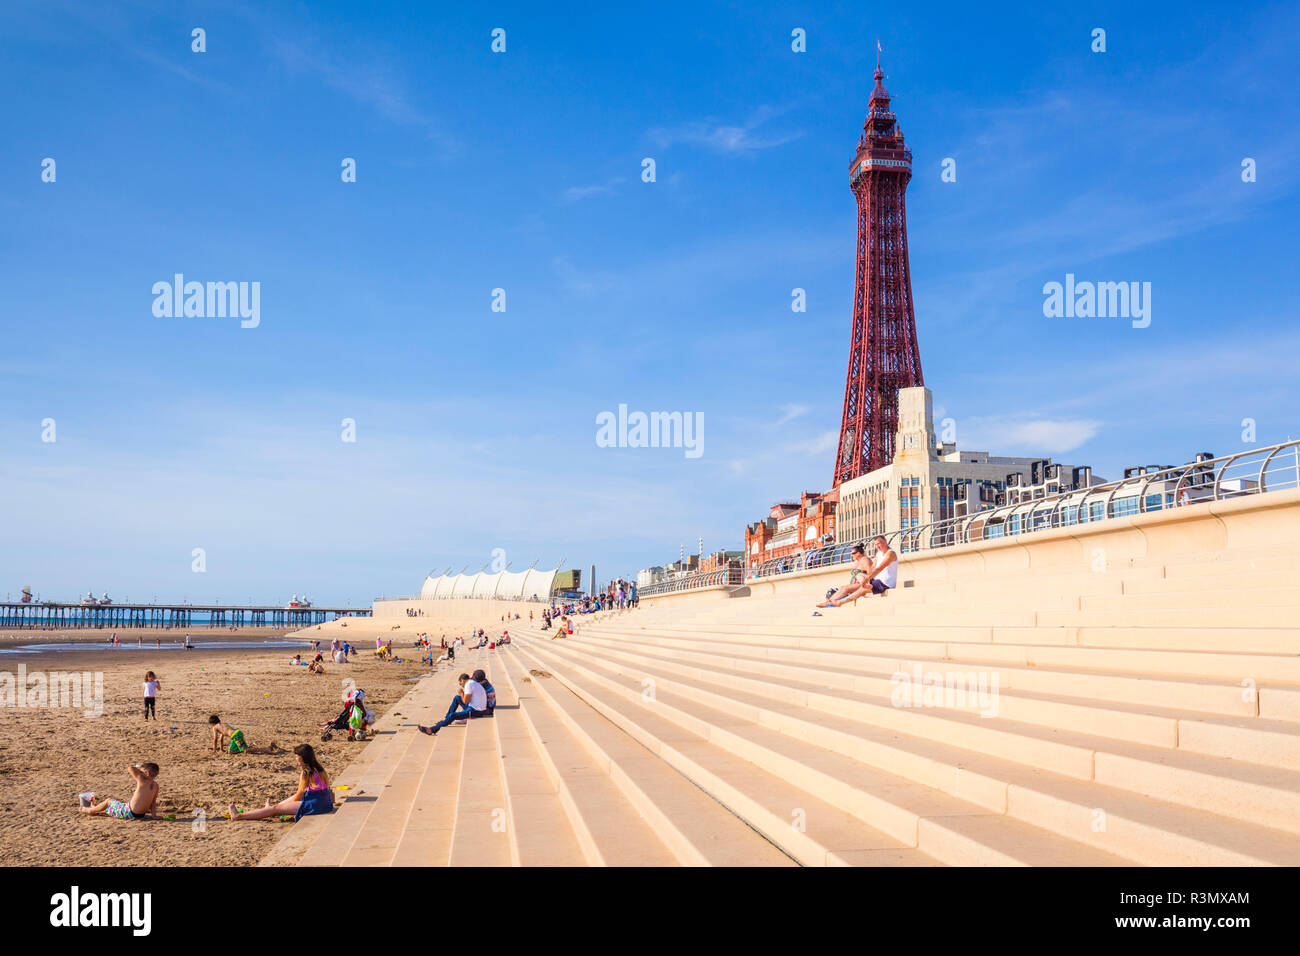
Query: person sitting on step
[884,573]
[858,578]
[481,677]
[470,703]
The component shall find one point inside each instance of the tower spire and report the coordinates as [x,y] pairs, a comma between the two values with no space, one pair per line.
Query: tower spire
[883,352]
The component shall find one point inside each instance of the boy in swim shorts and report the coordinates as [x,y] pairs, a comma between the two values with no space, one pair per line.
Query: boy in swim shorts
[238,744]
[141,803]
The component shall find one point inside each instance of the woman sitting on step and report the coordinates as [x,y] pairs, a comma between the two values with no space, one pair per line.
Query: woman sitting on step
[878,577]
[858,579]
[313,795]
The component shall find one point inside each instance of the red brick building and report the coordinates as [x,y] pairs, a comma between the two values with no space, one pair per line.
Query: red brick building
[722,559]
[792,527]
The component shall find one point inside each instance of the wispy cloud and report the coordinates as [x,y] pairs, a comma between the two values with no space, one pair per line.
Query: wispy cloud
[576,193]
[578,282]
[723,137]
[365,81]
[819,444]
[790,413]
[1027,436]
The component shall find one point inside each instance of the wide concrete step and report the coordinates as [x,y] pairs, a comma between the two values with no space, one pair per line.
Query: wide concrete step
[343,826]
[815,831]
[1023,696]
[424,816]
[1191,599]
[608,828]
[1238,667]
[1055,629]
[426,838]
[1238,573]
[1225,566]
[1208,697]
[330,837]
[696,828]
[1263,741]
[1103,818]
[539,827]
[1244,791]
[1212,583]
[390,806]
[289,849]
[1231,620]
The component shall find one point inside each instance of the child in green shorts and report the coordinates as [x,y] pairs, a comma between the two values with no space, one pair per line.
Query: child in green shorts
[238,744]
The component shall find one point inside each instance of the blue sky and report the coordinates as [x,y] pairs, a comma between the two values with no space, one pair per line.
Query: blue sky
[522,170]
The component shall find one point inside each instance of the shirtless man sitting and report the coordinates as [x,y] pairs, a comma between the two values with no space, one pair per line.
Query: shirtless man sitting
[884,574]
[140,805]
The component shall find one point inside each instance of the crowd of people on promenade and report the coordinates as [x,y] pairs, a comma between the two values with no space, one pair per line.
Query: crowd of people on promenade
[617,595]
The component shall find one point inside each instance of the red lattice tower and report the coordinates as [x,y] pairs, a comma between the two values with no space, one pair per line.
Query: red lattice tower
[883,354]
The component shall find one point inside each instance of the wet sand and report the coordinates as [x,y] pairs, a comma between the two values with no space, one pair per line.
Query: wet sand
[131,637]
[49,755]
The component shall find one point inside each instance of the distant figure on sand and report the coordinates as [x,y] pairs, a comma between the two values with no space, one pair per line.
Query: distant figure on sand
[141,803]
[237,745]
[151,688]
[313,795]
[471,702]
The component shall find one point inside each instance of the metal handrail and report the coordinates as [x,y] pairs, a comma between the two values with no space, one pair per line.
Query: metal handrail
[973,527]
[718,577]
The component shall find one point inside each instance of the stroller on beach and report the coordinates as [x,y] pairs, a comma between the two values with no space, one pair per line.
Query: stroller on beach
[355,718]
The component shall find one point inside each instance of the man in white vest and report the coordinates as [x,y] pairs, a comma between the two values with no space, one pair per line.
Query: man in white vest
[884,572]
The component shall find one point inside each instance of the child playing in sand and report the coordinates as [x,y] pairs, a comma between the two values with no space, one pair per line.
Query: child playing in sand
[237,745]
[151,688]
[313,795]
[141,803]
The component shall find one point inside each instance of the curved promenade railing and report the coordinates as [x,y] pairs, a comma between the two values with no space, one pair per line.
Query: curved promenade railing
[1252,472]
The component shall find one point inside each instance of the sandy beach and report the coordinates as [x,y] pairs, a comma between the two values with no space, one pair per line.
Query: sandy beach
[49,755]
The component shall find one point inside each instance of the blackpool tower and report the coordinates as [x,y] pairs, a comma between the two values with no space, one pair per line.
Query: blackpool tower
[883,354]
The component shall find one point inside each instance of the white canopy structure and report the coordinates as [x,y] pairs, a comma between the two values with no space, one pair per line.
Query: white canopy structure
[504,585]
